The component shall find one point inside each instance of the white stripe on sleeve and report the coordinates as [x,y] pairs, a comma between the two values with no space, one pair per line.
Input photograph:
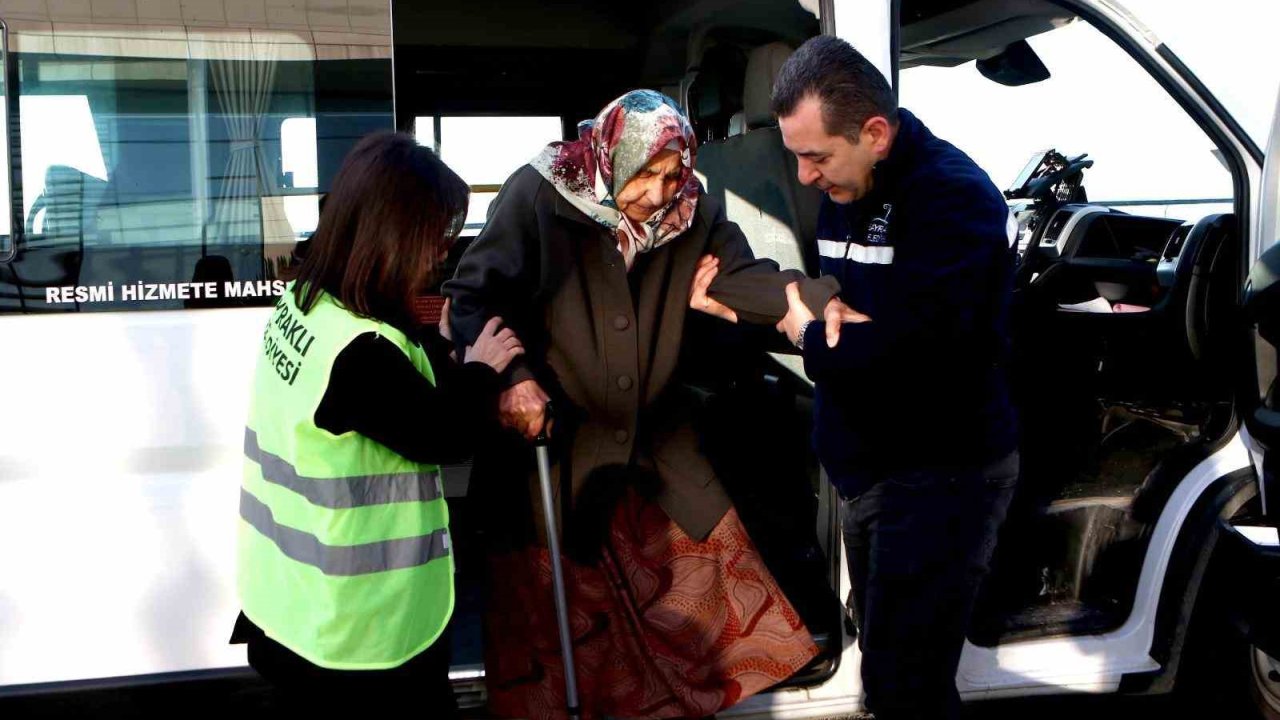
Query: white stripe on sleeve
[832,248]
[871,254]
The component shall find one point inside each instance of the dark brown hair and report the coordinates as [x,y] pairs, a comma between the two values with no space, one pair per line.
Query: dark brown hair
[394,210]
[850,88]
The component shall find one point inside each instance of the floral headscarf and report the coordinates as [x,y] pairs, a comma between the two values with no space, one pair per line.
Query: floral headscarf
[590,171]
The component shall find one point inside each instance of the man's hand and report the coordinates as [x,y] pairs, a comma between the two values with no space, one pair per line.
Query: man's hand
[523,408]
[708,266]
[835,314]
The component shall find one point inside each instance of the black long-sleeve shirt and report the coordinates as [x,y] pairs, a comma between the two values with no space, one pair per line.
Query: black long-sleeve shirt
[376,391]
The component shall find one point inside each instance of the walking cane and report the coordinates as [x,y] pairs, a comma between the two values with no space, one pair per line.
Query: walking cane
[542,446]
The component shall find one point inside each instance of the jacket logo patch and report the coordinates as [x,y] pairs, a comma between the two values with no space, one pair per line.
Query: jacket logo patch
[878,227]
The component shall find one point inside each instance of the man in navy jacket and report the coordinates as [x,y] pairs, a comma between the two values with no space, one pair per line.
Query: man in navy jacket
[913,418]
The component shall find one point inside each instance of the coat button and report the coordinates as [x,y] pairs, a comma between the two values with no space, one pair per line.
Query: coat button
[621,436]
[624,382]
[621,322]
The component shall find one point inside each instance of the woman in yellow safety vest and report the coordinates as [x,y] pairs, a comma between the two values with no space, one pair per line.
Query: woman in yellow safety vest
[345,560]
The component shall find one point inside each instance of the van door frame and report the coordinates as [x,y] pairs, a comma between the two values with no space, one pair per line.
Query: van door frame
[1132,646]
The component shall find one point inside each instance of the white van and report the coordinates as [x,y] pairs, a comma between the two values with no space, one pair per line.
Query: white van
[165,158]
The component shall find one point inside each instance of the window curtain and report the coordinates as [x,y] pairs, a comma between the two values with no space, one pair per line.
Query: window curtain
[243,81]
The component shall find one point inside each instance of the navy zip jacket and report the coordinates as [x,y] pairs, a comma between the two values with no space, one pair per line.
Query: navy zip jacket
[927,253]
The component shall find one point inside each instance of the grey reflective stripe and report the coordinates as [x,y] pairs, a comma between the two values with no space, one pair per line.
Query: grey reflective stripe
[344,560]
[348,492]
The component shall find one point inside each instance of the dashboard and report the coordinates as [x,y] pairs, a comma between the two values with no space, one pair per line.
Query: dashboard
[1082,230]
[1083,251]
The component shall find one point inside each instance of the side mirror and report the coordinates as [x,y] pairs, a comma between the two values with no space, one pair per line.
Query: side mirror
[1016,65]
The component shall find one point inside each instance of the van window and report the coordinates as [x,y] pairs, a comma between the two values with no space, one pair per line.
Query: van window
[484,151]
[508,88]
[1150,157]
[179,173]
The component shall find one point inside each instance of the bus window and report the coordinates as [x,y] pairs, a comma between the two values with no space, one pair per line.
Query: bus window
[298,152]
[182,172]
[299,166]
[60,132]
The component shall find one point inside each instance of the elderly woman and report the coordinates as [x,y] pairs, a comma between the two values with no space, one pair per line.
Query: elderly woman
[594,253]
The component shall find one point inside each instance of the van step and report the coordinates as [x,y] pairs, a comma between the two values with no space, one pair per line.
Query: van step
[1064,617]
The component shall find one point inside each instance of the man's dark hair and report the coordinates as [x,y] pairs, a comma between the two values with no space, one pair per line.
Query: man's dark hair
[394,211]
[849,87]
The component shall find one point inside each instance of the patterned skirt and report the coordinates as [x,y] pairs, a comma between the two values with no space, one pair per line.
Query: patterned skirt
[663,626]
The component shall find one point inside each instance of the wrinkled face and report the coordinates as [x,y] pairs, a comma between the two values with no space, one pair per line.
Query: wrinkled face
[834,164]
[652,188]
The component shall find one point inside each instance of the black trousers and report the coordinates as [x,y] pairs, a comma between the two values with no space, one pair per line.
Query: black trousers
[918,545]
[421,684]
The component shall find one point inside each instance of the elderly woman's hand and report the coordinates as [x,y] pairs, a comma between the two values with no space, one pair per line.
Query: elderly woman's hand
[446,331]
[523,408]
[708,267]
